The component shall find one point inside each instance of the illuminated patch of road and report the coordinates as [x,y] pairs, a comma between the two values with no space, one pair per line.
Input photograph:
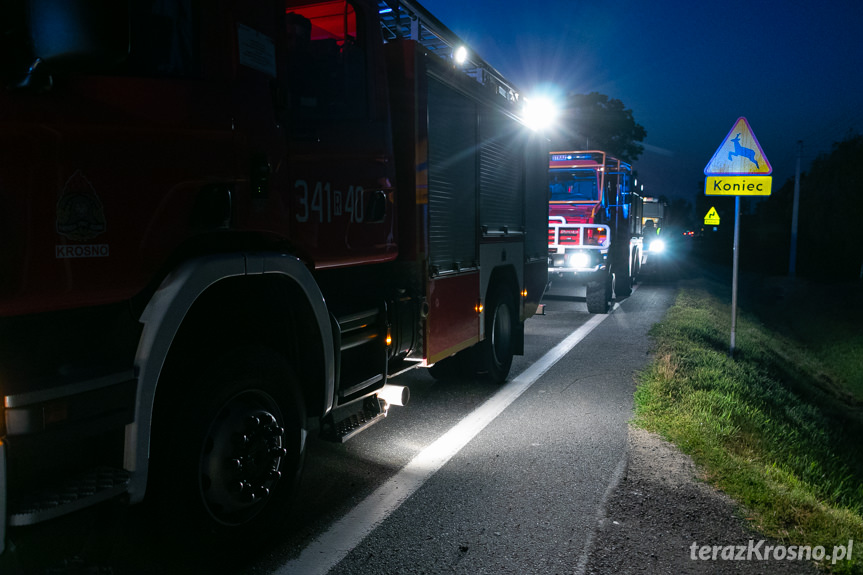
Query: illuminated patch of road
[331,547]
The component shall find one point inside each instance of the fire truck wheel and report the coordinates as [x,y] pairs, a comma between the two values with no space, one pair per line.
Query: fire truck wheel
[599,294]
[496,350]
[232,461]
[623,284]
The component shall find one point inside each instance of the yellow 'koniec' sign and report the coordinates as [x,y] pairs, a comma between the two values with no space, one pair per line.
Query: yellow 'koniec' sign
[739,166]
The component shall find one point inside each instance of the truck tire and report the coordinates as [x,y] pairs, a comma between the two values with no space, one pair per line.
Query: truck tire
[599,294]
[497,349]
[624,273]
[228,456]
[623,283]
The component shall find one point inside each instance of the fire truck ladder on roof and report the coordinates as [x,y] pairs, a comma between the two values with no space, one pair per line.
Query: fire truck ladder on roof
[407,19]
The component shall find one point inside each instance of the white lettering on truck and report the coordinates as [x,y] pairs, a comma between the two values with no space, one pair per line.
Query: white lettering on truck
[323,203]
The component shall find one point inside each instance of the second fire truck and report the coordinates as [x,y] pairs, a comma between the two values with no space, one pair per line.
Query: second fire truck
[594,225]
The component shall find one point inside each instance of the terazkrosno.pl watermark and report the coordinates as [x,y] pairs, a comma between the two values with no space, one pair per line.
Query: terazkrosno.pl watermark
[761,551]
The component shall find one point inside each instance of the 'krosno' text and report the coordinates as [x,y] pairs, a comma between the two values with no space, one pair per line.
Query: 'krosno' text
[760,551]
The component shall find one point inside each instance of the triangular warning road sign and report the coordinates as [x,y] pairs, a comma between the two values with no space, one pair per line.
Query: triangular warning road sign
[712,218]
[740,154]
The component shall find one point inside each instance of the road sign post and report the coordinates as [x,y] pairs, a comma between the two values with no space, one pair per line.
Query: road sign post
[736,260]
[738,168]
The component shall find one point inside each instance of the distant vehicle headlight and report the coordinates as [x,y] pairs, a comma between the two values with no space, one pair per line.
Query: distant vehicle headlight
[657,246]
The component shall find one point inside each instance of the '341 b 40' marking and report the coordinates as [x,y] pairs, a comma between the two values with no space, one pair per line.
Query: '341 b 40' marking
[322,203]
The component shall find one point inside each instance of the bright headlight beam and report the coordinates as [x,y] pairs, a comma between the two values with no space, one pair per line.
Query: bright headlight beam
[579,260]
[657,246]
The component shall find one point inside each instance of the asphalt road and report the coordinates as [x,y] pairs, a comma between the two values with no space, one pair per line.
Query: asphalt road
[523,495]
[517,489]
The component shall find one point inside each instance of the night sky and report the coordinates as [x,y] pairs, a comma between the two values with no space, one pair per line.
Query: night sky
[687,70]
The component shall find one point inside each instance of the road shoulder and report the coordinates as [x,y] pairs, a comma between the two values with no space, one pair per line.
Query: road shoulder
[660,508]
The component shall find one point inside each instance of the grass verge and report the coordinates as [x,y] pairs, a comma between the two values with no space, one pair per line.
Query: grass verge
[778,428]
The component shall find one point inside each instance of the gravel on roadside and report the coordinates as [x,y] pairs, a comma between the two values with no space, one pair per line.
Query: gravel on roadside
[659,509]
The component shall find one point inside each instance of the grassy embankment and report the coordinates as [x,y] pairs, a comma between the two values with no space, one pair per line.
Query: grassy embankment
[779,427]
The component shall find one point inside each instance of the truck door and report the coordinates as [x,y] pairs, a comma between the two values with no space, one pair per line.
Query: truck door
[334,115]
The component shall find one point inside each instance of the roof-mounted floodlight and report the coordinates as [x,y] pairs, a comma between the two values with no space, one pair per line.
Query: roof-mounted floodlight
[460,55]
[540,113]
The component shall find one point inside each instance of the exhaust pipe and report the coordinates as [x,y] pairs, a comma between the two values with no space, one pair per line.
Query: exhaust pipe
[395,394]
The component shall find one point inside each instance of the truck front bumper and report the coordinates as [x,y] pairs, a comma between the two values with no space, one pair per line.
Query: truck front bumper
[580,263]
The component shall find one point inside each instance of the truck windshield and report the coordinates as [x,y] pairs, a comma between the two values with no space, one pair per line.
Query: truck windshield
[326,62]
[334,20]
[573,186]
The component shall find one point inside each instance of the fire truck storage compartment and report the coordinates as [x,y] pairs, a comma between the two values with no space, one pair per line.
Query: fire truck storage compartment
[536,206]
[452,129]
[476,162]
[501,169]
[468,171]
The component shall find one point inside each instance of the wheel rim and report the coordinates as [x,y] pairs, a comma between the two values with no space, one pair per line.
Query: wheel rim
[501,334]
[240,458]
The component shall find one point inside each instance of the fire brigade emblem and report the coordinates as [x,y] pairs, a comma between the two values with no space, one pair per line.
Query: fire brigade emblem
[80,215]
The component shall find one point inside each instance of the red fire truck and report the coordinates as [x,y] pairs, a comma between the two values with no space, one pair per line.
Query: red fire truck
[222,220]
[594,225]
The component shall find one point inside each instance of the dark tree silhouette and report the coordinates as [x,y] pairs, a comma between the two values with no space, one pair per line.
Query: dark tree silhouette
[831,201]
[595,121]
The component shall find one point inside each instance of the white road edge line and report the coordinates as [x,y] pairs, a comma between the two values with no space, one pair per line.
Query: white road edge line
[344,535]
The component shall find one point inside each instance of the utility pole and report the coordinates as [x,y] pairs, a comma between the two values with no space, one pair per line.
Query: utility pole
[792,261]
